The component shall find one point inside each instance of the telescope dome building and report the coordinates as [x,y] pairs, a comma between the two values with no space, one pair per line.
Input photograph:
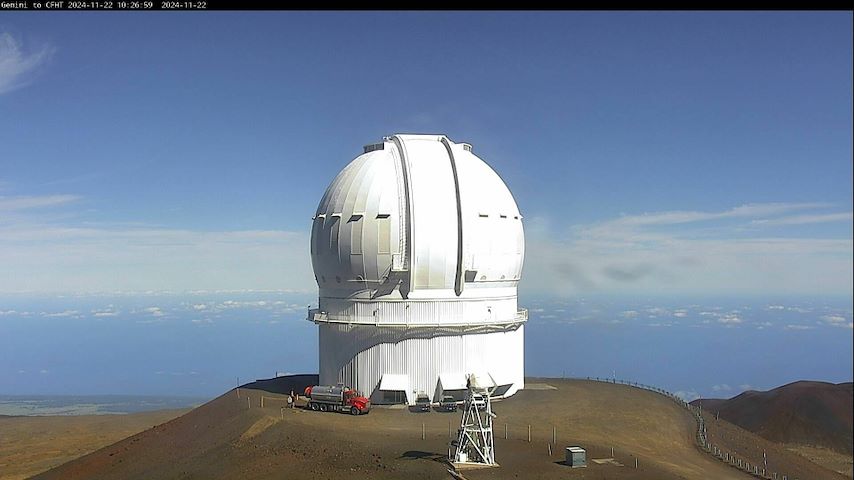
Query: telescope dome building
[417,248]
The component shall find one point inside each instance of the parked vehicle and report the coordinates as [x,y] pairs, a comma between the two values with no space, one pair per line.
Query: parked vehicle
[338,398]
[448,404]
[422,404]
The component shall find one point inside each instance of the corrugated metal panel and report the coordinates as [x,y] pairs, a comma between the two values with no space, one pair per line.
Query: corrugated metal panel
[359,356]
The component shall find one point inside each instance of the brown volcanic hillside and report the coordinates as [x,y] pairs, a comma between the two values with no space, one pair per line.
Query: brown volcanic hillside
[226,438]
[29,445]
[806,413]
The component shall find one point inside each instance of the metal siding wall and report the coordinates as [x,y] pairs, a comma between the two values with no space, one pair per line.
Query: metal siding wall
[359,356]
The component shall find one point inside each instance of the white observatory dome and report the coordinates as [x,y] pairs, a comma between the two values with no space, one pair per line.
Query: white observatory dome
[416,232]
[445,217]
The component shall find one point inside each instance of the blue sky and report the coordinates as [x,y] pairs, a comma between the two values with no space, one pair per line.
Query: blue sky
[651,153]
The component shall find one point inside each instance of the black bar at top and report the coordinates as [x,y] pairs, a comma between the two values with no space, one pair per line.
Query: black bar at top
[256,5]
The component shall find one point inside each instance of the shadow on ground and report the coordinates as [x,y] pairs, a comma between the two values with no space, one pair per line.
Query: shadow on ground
[419,455]
[284,385]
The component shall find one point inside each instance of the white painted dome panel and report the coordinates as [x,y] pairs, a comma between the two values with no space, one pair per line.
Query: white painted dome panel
[392,223]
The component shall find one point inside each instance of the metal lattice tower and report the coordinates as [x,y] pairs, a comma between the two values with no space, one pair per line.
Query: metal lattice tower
[475,443]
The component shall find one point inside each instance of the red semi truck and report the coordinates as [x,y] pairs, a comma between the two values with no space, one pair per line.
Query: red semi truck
[339,398]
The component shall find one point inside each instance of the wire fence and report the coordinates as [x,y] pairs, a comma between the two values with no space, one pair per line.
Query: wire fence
[722,454]
[718,452]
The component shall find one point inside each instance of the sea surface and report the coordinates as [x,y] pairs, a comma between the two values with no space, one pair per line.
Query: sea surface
[159,348]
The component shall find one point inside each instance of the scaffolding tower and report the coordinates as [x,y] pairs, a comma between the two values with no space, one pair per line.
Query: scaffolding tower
[475,444]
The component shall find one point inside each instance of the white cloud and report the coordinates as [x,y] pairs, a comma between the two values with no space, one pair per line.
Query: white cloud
[833,319]
[797,327]
[64,313]
[687,395]
[686,253]
[154,311]
[46,257]
[630,254]
[743,211]
[730,319]
[775,307]
[837,320]
[8,204]
[44,371]
[799,309]
[723,387]
[806,219]
[629,314]
[680,313]
[16,65]
[747,386]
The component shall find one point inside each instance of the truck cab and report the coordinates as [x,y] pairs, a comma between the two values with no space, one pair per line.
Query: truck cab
[358,403]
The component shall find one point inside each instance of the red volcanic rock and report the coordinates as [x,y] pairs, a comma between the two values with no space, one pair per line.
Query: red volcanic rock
[804,412]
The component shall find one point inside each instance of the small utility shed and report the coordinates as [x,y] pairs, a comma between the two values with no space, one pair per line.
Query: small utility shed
[394,388]
[453,384]
[576,457]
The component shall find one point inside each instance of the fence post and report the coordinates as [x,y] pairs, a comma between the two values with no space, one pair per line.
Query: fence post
[422,431]
[529,433]
[554,435]
[505,431]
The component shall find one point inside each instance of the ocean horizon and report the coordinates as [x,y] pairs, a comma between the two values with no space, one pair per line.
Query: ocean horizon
[170,350]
